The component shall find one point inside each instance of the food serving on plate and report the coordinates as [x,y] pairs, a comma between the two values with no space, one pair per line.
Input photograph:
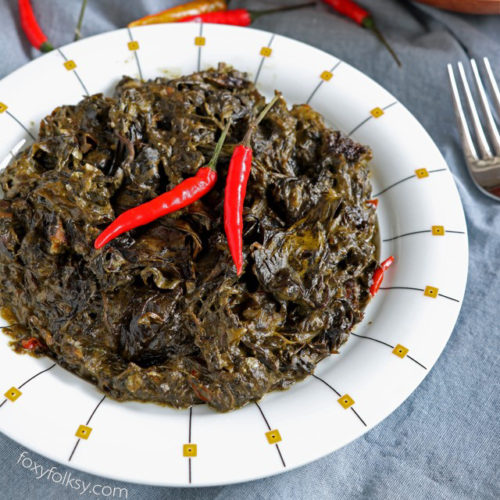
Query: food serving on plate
[161,313]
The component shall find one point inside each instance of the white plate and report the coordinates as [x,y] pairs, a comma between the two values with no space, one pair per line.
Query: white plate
[417,200]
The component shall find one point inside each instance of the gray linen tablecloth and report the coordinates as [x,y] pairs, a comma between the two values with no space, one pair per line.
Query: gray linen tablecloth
[443,441]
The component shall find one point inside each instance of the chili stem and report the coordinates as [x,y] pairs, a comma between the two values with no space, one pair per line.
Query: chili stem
[369,23]
[78,28]
[253,125]
[257,13]
[218,147]
[263,113]
[384,42]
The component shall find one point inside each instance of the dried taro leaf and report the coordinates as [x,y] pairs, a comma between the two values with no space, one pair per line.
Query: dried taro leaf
[159,314]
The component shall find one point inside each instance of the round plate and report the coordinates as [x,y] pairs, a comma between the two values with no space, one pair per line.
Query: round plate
[406,325]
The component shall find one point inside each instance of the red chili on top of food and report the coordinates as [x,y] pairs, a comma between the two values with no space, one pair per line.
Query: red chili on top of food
[378,275]
[236,188]
[182,195]
[31,344]
[234,197]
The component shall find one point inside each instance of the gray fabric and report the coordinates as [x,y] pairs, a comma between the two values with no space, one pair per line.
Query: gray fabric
[442,443]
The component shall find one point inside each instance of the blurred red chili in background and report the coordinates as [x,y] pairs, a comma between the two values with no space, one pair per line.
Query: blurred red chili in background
[31,28]
[362,17]
[174,14]
[240,17]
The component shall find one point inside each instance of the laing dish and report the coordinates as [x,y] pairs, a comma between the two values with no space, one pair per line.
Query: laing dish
[160,314]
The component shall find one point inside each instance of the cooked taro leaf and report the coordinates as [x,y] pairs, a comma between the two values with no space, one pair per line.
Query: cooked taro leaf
[159,314]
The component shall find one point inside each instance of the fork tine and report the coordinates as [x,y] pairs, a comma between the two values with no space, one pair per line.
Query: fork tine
[484,148]
[493,84]
[467,144]
[490,122]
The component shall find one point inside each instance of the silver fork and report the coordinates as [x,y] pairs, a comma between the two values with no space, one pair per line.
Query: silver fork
[484,168]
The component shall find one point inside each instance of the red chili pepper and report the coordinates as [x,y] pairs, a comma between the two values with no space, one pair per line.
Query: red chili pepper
[378,275]
[31,28]
[174,14]
[349,9]
[240,17]
[31,344]
[362,17]
[185,193]
[236,188]
[387,263]
[373,202]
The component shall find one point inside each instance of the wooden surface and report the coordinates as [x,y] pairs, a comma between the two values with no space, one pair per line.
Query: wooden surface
[468,6]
